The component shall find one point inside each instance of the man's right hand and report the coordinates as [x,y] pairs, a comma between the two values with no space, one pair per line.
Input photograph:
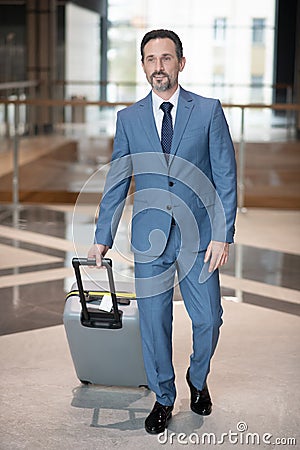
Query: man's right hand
[98,251]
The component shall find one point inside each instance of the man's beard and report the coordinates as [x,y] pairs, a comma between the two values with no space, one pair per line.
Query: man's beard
[161,86]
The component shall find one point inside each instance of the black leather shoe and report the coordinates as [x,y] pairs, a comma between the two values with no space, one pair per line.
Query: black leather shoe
[200,400]
[158,419]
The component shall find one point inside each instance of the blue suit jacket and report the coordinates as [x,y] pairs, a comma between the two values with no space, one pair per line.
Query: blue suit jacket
[197,186]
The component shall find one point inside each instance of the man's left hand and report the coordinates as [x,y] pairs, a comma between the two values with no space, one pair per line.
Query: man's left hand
[217,252]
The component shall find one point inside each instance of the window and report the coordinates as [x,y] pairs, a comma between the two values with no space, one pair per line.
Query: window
[218,85]
[258,31]
[257,87]
[220,29]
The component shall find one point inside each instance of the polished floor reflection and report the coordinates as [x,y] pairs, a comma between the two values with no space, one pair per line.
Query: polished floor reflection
[267,266]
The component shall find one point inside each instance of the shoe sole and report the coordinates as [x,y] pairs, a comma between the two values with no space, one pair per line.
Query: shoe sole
[205,413]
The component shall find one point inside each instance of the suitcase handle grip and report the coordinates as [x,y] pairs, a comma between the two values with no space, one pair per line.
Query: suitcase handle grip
[91,262]
[107,263]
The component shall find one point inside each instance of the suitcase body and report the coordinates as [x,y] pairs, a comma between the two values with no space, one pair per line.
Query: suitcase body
[105,347]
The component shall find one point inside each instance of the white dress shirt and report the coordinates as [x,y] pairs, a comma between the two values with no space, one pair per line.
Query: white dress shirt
[159,114]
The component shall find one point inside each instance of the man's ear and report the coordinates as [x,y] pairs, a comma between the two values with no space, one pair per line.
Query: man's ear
[182,64]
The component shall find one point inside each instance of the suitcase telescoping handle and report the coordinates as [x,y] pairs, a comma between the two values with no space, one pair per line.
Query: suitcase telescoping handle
[107,263]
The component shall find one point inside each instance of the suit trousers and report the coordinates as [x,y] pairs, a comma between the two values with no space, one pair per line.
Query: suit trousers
[154,287]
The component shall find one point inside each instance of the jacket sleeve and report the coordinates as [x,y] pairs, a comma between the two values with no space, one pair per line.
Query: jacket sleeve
[116,188]
[223,166]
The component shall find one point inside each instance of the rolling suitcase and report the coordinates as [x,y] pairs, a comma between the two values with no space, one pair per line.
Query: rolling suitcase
[105,345]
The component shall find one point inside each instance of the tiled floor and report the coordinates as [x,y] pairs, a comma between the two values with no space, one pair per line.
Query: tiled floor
[254,376]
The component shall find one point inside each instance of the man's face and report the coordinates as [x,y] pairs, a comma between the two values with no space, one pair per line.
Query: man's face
[161,64]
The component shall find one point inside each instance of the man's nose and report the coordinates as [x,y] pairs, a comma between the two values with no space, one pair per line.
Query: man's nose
[159,65]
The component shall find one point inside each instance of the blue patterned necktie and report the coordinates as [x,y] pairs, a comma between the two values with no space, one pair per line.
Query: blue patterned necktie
[167,128]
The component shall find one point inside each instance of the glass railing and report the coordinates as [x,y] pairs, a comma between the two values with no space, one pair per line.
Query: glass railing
[256,129]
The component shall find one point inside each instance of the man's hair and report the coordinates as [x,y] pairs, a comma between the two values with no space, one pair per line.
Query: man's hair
[162,34]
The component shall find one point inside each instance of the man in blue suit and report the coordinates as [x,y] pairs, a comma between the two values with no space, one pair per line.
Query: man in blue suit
[177,145]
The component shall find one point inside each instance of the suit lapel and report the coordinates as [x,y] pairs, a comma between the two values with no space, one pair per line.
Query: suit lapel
[184,109]
[148,122]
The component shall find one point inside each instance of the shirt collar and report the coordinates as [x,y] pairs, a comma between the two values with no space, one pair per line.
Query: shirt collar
[157,100]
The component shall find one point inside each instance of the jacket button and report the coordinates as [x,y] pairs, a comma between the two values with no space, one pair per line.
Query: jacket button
[171,183]
[169,207]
